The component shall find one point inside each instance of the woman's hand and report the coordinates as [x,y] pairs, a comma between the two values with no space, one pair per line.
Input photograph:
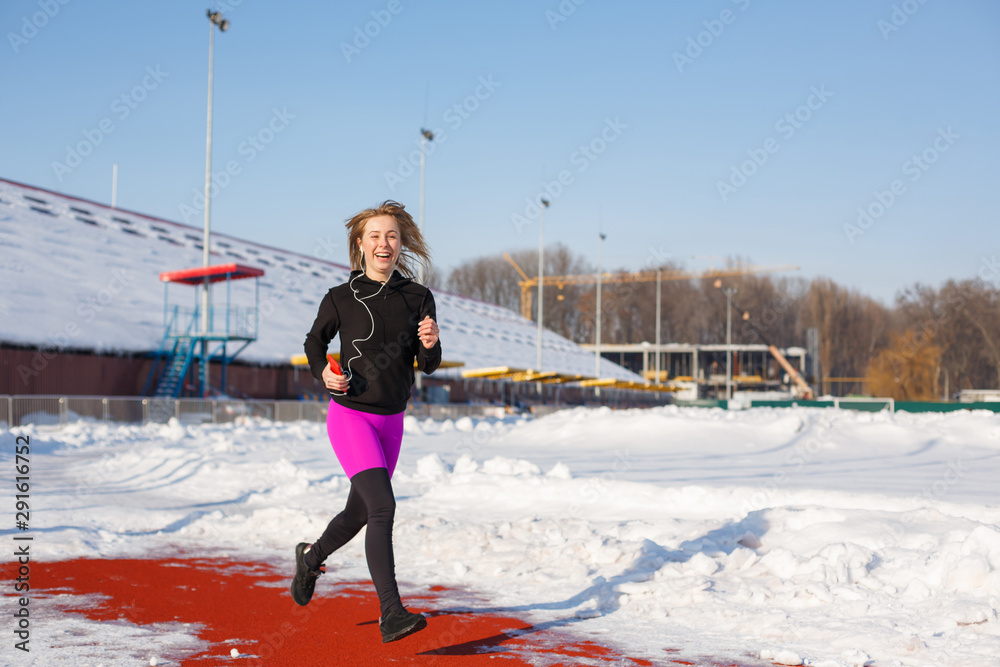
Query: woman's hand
[333,381]
[428,332]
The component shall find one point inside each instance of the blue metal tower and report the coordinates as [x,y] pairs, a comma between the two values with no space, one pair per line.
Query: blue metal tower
[186,344]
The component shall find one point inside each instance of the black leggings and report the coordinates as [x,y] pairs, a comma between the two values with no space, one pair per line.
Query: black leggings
[370,503]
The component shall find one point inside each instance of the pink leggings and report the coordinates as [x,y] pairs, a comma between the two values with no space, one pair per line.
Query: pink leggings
[362,440]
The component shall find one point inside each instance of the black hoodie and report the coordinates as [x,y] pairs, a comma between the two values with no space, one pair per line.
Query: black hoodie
[382,376]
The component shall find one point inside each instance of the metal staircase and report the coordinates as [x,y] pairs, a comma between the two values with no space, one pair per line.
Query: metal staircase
[178,363]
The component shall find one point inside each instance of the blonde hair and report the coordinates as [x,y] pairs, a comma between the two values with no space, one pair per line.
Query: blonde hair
[413,248]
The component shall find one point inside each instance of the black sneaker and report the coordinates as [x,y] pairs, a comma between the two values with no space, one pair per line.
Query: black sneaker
[305,579]
[399,624]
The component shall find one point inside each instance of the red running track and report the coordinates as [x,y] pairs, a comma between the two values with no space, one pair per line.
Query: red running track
[249,603]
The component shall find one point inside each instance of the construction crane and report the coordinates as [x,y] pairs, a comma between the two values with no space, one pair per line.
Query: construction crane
[527,283]
[801,388]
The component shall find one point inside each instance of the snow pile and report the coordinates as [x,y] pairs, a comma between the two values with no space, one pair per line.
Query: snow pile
[804,536]
[86,643]
[824,574]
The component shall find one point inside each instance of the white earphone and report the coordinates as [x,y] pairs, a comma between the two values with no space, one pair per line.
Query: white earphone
[361,300]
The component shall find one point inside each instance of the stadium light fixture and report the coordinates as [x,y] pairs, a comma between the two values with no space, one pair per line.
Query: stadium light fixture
[216,18]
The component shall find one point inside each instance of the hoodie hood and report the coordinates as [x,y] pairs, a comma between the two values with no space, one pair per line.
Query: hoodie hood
[396,282]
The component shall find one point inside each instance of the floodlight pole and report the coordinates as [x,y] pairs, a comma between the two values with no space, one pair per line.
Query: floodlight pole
[659,275]
[541,278]
[425,136]
[597,338]
[215,19]
[729,291]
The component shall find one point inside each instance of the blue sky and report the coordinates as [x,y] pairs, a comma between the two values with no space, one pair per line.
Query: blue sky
[724,128]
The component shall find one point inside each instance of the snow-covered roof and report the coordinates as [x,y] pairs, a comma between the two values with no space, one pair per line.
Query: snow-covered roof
[79,274]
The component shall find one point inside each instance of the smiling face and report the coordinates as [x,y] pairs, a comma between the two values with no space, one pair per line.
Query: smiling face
[380,243]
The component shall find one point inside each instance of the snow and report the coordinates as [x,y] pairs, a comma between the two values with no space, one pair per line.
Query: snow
[103,290]
[801,536]
[87,643]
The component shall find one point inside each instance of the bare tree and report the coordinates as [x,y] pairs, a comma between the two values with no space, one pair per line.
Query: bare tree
[852,327]
[495,280]
[905,370]
[490,279]
[963,318]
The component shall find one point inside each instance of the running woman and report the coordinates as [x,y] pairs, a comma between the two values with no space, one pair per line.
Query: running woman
[385,321]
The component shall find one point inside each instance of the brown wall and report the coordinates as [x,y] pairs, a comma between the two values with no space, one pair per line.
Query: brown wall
[33,371]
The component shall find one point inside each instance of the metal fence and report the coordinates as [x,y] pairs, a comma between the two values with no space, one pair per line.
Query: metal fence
[61,410]
[44,410]
[861,404]
[879,404]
